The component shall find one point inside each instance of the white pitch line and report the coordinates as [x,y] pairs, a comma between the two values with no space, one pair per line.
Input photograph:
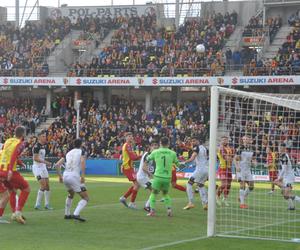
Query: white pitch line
[175,243]
[226,236]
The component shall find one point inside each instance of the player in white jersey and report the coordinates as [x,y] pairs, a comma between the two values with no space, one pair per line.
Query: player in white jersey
[74,179]
[286,178]
[243,160]
[39,169]
[199,176]
[146,171]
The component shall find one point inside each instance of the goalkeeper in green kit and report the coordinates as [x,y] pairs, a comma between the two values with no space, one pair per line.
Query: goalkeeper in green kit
[164,159]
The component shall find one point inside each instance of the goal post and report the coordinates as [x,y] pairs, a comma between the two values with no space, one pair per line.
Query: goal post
[263,133]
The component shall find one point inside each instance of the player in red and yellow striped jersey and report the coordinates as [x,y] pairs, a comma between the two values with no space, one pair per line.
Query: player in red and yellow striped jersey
[271,164]
[128,156]
[225,155]
[9,176]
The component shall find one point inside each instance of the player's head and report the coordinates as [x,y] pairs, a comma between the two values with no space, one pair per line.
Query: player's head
[154,145]
[224,140]
[283,148]
[195,141]
[129,137]
[77,143]
[164,142]
[20,132]
[246,139]
[42,136]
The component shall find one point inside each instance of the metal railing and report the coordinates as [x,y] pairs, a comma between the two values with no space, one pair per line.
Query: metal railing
[246,68]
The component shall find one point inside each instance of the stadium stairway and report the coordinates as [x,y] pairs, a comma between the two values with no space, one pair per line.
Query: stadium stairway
[106,42]
[233,43]
[62,56]
[280,38]
[235,39]
[44,125]
[93,51]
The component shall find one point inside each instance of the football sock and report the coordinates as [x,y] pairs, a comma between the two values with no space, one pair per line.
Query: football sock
[179,187]
[189,191]
[13,201]
[147,204]
[291,203]
[203,195]
[226,191]
[133,195]
[47,197]
[22,200]
[39,197]
[68,205]
[246,192]
[167,201]
[128,193]
[81,204]
[220,190]
[1,211]
[242,196]
[153,200]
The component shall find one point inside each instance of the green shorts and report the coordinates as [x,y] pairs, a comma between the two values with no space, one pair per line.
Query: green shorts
[161,184]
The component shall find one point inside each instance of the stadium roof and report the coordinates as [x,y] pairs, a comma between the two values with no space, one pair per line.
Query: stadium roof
[187,8]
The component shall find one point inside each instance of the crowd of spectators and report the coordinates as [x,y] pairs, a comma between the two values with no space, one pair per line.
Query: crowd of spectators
[96,28]
[286,61]
[21,111]
[103,127]
[23,51]
[140,47]
[254,27]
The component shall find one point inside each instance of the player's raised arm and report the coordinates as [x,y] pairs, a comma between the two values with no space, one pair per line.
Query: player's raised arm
[83,167]
[193,156]
[58,168]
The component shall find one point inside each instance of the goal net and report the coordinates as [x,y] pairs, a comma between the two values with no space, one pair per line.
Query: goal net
[254,165]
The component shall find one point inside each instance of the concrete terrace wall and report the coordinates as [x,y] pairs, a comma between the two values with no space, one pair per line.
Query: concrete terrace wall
[245,9]
[3,15]
[283,11]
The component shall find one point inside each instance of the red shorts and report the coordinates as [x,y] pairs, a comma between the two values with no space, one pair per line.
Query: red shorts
[273,175]
[225,174]
[17,181]
[174,177]
[130,174]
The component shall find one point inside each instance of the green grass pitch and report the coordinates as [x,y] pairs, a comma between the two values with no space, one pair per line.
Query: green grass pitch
[112,226]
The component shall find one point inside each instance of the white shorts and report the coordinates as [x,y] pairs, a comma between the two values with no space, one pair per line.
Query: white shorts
[72,182]
[244,175]
[200,176]
[143,180]
[40,172]
[287,182]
